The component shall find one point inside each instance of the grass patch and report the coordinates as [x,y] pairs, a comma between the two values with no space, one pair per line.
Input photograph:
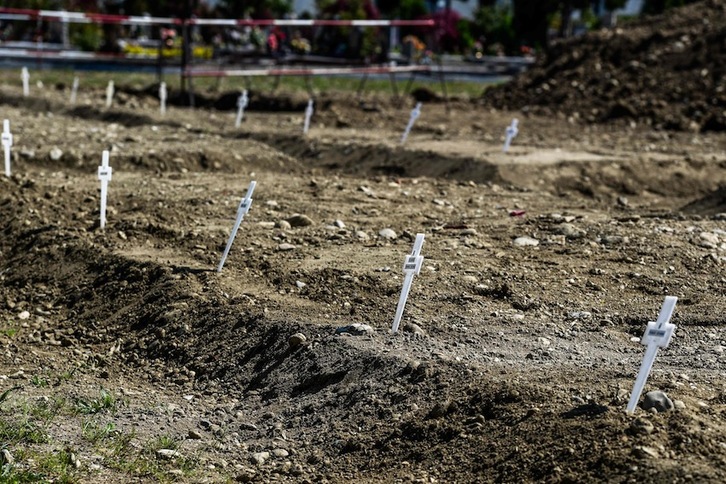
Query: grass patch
[105,401]
[95,432]
[9,332]
[21,430]
[38,381]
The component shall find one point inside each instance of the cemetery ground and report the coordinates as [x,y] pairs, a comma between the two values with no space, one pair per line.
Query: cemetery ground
[125,356]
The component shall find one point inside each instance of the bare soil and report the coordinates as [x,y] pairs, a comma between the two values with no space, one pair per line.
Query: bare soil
[514,364]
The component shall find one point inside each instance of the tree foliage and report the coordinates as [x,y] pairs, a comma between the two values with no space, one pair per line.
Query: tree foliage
[659,6]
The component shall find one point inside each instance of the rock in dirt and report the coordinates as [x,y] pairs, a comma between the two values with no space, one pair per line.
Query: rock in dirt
[570,231]
[299,220]
[387,234]
[657,400]
[285,247]
[645,452]
[194,435]
[297,339]
[55,154]
[641,426]
[281,453]
[355,329]
[167,453]
[24,315]
[414,328]
[440,409]
[259,458]
[526,242]
[708,240]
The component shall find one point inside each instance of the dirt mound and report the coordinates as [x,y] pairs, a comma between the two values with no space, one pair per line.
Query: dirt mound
[712,204]
[665,71]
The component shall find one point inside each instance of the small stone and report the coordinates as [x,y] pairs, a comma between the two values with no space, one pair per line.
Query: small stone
[296,340]
[339,223]
[440,409]
[281,453]
[24,315]
[623,201]
[300,284]
[194,435]
[245,474]
[283,225]
[570,231]
[657,400]
[355,329]
[414,328]
[359,234]
[642,426]
[469,232]
[285,247]
[645,452]
[55,154]
[167,453]
[387,234]
[6,457]
[470,279]
[708,240]
[679,404]
[299,220]
[259,458]
[526,242]
[580,315]
[611,240]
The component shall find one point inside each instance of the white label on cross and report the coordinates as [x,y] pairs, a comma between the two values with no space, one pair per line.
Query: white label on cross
[25,76]
[74,90]
[657,335]
[104,174]
[411,266]
[109,94]
[415,113]
[308,114]
[241,105]
[7,142]
[162,97]
[511,133]
[244,207]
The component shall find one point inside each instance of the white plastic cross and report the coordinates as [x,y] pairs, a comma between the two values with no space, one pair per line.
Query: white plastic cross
[241,105]
[7,141]
[104,174]
[658,334]
[244,207]
[162,97]
[308,114]
[511,132]
[109,94]
[74,90]
[25,77]
[415,113]
[411,267]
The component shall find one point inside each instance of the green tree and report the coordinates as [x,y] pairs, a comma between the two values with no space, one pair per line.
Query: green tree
[659,6]
[405,9]
[255,8]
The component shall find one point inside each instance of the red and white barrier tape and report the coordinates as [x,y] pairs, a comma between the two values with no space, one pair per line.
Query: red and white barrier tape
[311,22]
[80,17]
